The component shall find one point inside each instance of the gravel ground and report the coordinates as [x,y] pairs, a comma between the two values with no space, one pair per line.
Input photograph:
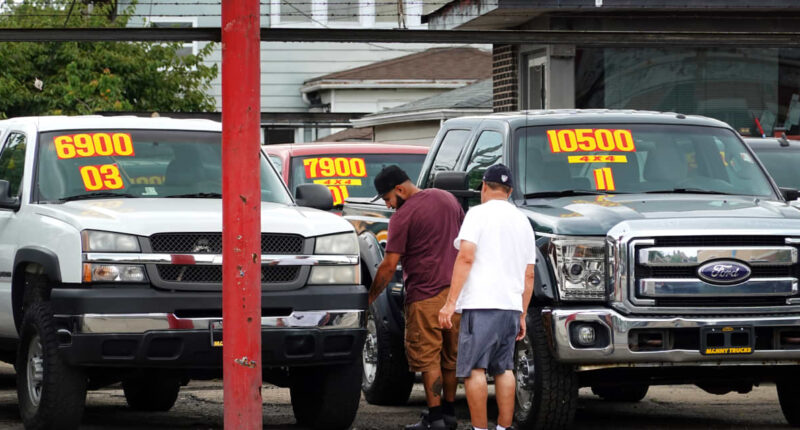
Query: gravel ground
[200,406]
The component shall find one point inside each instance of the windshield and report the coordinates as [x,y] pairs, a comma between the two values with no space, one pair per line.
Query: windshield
[636,158]
[137,163]
[350,175]
[782,165]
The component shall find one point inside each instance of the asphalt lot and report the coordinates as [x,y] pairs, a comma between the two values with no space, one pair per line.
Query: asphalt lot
[200,406]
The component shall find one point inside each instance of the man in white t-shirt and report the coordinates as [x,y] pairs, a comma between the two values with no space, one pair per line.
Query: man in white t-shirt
[491,289]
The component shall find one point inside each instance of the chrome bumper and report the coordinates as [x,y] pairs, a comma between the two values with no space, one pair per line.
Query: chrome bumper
[618,352]
[142,323]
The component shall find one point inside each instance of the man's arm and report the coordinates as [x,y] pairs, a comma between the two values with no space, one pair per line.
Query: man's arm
[526,300]
[464,260]
[384,274]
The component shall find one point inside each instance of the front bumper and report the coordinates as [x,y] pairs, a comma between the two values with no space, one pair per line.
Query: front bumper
[775,338]
[143,327]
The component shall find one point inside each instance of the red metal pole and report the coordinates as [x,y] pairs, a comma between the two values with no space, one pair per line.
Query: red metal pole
[241,214]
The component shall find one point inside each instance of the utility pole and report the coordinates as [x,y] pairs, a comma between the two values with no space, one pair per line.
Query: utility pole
[241,214]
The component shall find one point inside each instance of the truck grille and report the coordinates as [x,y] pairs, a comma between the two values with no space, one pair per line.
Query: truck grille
[211,243]
[673,281]
[213,274]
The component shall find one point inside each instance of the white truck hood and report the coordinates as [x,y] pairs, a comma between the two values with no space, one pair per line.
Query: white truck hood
[144,217]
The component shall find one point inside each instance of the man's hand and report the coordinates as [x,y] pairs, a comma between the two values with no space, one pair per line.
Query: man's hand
[522,328]
[383,275]
[446,314]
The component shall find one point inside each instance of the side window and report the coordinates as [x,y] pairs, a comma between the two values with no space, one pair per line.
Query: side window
[448,153]
[12,161]
[487,152]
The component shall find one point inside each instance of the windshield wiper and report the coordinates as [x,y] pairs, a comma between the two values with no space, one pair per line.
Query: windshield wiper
[96,195]
[196,196]
[688,191]
[563,193]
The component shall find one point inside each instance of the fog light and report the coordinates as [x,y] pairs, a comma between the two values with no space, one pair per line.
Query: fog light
[586,335]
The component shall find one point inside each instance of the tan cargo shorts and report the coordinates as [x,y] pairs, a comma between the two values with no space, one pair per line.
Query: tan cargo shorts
[428,346]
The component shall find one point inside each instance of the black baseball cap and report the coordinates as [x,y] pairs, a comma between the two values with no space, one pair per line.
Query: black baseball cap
[498,173]
[387,179]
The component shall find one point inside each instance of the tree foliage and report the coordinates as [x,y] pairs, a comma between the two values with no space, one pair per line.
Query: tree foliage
[40,78]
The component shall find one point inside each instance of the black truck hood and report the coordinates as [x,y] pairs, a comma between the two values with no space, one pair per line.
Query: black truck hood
[595,215]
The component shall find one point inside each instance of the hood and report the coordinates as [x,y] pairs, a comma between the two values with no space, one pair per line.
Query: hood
[595,215]
[145,217]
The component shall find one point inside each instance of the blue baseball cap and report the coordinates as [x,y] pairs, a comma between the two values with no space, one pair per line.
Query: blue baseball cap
[498,173]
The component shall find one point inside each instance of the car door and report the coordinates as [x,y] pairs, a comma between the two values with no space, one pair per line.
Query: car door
[12,162]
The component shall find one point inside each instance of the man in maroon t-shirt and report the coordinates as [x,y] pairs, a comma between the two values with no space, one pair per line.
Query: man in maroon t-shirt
[421,234]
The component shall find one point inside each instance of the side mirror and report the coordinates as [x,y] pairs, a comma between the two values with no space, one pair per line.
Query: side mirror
[455,182]
[6,201]
[790,194]
[314,196]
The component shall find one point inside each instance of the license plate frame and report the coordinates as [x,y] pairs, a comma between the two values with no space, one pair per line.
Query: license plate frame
[215,333]
[727,340]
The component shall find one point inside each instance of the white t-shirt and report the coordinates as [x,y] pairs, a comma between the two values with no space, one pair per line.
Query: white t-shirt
[505,245]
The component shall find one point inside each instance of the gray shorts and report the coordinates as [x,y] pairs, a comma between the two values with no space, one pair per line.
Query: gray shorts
[486,341]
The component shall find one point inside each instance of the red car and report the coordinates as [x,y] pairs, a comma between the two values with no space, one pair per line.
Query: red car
[346,168]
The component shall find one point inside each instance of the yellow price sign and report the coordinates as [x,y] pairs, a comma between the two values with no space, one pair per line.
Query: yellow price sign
[590,140]
[101,177]
[334,182]
[572,159]
[328,167]
[93,145]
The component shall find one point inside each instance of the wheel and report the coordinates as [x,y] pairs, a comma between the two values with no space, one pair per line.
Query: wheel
[51,394]
[789,398]
[152,392]
[326,397]
[621,393]
[546,391]
[386,379]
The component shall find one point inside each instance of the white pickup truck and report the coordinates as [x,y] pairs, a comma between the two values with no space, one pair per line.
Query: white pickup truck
[110,270]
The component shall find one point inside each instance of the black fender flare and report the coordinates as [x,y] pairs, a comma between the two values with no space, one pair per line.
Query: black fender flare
[544,284]
[43,257]
[385,308]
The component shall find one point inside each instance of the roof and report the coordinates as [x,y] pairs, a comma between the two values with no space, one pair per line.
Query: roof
[301,149]
[469,100]
[49,123]
[508,14]
[350,134]
[772,143]
[453,67]
[589,116]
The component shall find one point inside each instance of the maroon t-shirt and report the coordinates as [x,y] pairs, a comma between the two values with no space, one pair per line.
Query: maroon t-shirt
[423,231]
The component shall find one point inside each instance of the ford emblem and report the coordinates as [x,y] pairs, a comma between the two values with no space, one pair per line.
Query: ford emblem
[724,272]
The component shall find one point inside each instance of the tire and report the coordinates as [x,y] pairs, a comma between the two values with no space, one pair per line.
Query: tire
[621,393]
[152,392]
[326,397]
[547,391]
[51,394]
[386,379]
[789,398]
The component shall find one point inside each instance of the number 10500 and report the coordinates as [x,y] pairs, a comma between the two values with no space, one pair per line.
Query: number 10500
[589,140]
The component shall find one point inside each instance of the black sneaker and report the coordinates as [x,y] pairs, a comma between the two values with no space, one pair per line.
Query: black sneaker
[424,424]
[450,421]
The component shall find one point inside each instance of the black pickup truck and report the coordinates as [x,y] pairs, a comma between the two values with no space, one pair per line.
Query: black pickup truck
[667,255]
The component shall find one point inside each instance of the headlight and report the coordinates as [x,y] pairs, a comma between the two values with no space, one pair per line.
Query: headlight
[113,273]
[580,263]
[344,243]
[334,275]
[103,241]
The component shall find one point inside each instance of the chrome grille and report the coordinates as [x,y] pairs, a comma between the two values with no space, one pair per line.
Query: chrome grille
[665,282]
[211,243]
[213,274]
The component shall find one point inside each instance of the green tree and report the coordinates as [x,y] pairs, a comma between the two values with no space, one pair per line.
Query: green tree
[40,78]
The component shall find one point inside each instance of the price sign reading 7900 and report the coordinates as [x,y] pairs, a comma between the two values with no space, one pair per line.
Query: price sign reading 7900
[590,140]
[329,167]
